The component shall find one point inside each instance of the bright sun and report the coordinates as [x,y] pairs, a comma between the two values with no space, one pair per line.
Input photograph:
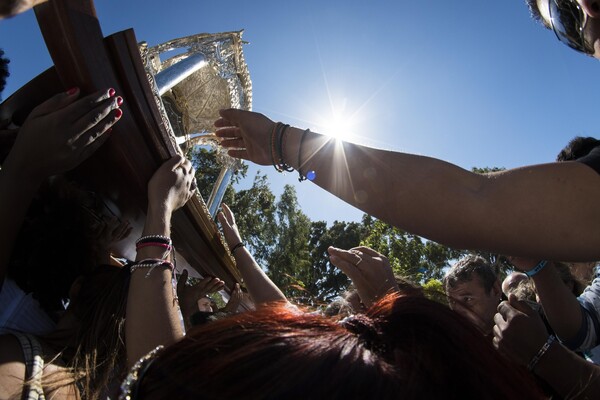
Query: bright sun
[338,127]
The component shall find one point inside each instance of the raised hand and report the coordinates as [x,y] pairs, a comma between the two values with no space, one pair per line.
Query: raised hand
[229,227]
[189,295]
[171,185]
[519,331]
[246,135]
[235,299]
[62,132]
[369,270]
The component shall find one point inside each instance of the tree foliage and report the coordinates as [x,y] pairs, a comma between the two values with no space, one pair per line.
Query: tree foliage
[293,249]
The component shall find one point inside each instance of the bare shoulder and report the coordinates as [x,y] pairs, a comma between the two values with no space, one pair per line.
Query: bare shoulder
[12,373]
[12,367]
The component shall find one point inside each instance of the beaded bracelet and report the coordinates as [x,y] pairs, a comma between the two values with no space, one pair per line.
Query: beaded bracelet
[151,263]
[541,353]
[540,266]
[155,238]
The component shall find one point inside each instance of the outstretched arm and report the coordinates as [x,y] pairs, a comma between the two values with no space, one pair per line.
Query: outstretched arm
[561,307]
[260,287]
[153,316]
[57,136]
[436,199]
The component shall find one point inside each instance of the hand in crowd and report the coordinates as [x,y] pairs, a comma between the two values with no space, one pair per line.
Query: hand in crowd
[369,270]
[189,295]
[235,300]
[519,331]
[64,131]
[171,185]
[246,135]
[228,226]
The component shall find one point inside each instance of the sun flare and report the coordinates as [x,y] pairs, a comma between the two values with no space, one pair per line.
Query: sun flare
[339,127]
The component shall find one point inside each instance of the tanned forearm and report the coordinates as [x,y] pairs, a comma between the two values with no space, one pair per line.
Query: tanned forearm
[526,211]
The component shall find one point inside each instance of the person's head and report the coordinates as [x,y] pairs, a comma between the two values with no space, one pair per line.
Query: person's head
[574,22]
[473,290]
[518,283]
[407,287]
[339,307]
[404,347]
[3,71]
[584,272]
[10,8]
[96,330]
[59,241]
[564,271]
[577,147]
[512,281]
[205,304]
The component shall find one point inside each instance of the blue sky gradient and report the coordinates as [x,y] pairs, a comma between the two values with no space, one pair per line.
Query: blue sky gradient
[475,83]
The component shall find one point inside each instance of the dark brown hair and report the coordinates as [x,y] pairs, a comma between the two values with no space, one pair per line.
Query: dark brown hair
[98,356]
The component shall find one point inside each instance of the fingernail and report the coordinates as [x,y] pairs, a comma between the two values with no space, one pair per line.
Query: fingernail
[119,101]
[111,92]
[72,91]
[118,113]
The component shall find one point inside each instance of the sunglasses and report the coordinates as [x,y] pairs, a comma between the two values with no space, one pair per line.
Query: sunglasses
[568,20]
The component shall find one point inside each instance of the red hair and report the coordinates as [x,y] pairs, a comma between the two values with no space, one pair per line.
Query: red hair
[405,347]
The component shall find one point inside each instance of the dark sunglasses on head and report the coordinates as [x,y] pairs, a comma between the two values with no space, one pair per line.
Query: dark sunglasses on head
[568,20]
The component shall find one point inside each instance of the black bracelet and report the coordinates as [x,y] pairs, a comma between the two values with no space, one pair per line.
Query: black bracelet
[300,176]
[237,246]
[282,164]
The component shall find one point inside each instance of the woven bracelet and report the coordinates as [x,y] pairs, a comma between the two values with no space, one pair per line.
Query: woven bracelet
[273,146]
[281,138]
[540,266]
[153,244]
[541,353]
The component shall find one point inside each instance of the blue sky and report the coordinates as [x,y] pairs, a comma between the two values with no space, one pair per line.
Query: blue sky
[475,83]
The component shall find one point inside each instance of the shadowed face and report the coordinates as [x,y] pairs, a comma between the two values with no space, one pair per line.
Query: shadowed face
[204,304]
[511,282]
[470,299]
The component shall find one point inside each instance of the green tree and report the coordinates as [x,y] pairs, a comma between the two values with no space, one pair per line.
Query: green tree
[254,211]
[289,261]
[326,281]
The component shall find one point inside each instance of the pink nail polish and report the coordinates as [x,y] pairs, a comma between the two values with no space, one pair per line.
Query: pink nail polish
[119,101]
[111,92]
[72,91]
[118,113]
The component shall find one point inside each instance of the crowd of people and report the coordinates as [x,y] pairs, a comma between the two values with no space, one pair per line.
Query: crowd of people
[83,322]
